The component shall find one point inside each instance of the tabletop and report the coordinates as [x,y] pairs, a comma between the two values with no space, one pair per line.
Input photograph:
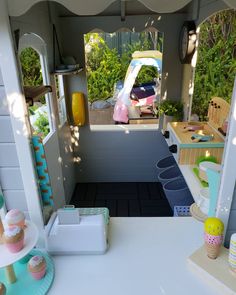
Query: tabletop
[146,256]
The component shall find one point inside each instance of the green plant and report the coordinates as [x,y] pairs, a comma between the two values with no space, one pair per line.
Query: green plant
[171,108]
[42,125]
[105,66]
[216,65]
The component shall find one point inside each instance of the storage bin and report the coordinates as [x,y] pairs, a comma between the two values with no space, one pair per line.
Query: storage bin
[169,174]
[164,163]
[178,193]
[182,211]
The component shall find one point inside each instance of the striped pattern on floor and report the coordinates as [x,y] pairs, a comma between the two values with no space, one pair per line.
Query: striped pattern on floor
[124,199]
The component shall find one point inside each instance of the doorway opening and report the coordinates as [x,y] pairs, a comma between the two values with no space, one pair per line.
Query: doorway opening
[108,61]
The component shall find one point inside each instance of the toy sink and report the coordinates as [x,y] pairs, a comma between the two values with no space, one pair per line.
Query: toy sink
[193,126]
[202,136]
[189,146]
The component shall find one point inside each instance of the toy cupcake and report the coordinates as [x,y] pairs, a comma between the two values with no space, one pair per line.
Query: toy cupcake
[14,238]
[2,289]
[37,267]
[15,217]
[213,236]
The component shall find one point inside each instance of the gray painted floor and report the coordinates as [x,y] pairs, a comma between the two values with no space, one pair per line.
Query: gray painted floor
[123,198]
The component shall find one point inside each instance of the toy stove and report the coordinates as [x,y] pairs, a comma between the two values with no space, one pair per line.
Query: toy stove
[190,140]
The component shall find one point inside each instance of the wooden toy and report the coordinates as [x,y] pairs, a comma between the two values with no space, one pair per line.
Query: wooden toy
[213,236]
[232,253]
[15,217]
[14,238]
[2,289]
[37,267]
[203,166]
[206,140]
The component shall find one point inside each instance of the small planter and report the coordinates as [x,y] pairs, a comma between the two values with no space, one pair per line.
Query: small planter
[167,119]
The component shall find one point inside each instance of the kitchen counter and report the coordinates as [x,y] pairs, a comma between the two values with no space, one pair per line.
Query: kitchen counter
[146,256]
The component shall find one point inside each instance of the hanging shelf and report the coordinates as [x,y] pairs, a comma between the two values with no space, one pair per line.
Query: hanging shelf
[33,93]
[67,72]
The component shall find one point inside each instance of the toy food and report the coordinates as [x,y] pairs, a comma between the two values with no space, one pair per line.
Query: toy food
[15,217]
[37,267]
[232,253]
[213,236]
[14,238]
[2,289]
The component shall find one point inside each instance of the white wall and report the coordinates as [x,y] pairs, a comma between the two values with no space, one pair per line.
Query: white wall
[38,20]
[114,155]
[74,28]
[10,174]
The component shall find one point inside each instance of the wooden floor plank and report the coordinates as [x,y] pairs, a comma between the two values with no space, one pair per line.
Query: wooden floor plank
[134,208]
[122,208]
[112,206]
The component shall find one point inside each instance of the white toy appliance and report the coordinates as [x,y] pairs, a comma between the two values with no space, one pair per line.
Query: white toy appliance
[78,231]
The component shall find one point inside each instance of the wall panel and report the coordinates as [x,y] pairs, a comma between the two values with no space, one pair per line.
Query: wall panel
[11,179]
[15,199]
[6,132]
[8,155]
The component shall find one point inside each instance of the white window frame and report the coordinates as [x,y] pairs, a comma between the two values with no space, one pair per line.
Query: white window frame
[31,40]
[61,101]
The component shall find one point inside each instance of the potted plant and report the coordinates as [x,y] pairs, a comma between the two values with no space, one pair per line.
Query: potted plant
[171,110]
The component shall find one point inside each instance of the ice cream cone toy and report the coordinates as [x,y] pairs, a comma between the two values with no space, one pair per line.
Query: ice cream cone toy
[2,289]
[213,236]
[232,253]
[1,225]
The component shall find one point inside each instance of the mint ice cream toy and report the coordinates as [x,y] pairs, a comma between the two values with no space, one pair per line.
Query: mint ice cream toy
[213,236]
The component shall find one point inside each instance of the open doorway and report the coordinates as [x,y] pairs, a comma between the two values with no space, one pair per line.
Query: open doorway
[108,57]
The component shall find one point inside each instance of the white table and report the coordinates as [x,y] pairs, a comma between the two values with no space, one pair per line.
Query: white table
[146,256]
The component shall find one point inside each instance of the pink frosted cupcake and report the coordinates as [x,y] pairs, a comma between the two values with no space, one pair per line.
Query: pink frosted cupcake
[2,289]
[15,217]
[14,238]
[37,267]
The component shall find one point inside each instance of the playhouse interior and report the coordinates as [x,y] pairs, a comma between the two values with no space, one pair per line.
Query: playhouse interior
[142,188]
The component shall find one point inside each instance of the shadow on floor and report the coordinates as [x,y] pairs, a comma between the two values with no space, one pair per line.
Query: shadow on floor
[124,199]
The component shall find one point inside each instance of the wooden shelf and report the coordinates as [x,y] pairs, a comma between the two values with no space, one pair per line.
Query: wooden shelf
[32,93]
[68,72]
[215,271]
